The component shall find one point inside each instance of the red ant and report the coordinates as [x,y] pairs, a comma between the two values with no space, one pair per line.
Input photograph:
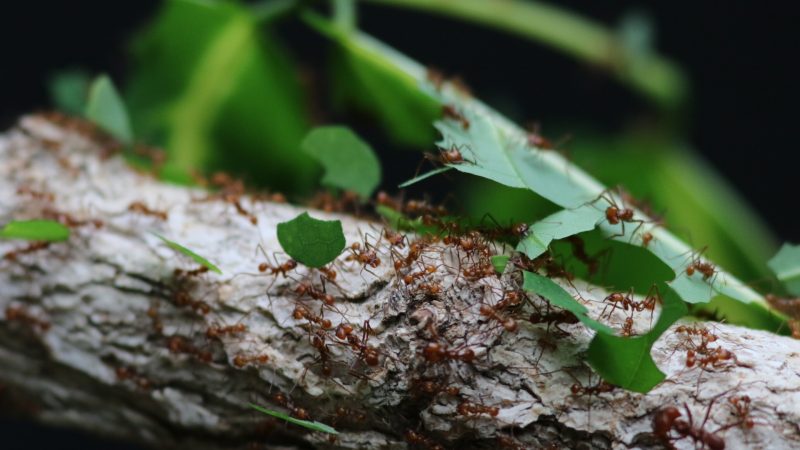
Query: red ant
[394,239]
[231,193]
[282,269]
[647,237]
[241,361]
[601,387]
[190,273]
[70,221]
[430,289]
[368,354]
[667,420]
[466,408]
[451,156]
[420,440]
[230,330]
[536,139]
[741,407]
[182,298]
[141,208]
[450,112]
[301,312]
[179,344]
[21,315]
[436,353]
[414,276]
[508,323]
[30,248]
[705,268]
[328,274]
[431,387]
[296,412]
[316,294]
[152,313]
[127,373]
[367,257]
[38,195]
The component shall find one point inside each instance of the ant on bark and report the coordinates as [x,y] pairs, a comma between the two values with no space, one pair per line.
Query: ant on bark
[668,420]
[469,409]
[141,208]
[21,315]
[420,440]
[231,192]
[30,248]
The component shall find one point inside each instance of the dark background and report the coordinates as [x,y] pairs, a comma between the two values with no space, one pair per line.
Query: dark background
[739,57]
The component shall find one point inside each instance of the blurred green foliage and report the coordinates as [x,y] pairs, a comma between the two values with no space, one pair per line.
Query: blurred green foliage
[219,91]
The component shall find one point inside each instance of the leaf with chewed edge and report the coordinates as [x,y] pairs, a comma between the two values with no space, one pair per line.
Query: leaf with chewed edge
[626,361]
[557,296]
[311,241]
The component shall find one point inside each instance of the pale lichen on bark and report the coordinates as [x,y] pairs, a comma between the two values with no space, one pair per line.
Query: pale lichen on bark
[102,364]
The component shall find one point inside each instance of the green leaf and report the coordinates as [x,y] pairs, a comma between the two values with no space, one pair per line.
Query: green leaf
[558,226]
[349,162]
[626,361]
[185,251]
[223,95]
[35,230]
[69,90]
[365,81]
[399,221]
[424,176]
[495,148]
[786,265]
[557,296]
[311,241]
[107,110]
[673,179]
[499,262]
[316,426]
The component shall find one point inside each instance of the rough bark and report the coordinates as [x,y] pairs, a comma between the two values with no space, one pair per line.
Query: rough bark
[100,333]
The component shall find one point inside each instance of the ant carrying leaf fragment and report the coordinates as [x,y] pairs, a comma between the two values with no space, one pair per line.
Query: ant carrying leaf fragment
[35,230]
[316,426]
[311,241]
[185,251]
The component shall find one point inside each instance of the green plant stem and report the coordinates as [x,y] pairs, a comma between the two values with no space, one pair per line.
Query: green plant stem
[650,74]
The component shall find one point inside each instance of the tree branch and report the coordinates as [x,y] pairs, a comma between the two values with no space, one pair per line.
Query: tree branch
[100,333]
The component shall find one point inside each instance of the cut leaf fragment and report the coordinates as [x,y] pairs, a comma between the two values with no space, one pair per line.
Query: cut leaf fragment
[557,296]
[786,265]
[35,230]
[349,162]
[315,426]
[69,90]
[185,251]
[560,225]
[499,262]
[626,361]
[311,241]
[424,176]
[107,110]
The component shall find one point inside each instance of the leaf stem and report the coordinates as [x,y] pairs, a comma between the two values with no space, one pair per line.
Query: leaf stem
[652,75]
